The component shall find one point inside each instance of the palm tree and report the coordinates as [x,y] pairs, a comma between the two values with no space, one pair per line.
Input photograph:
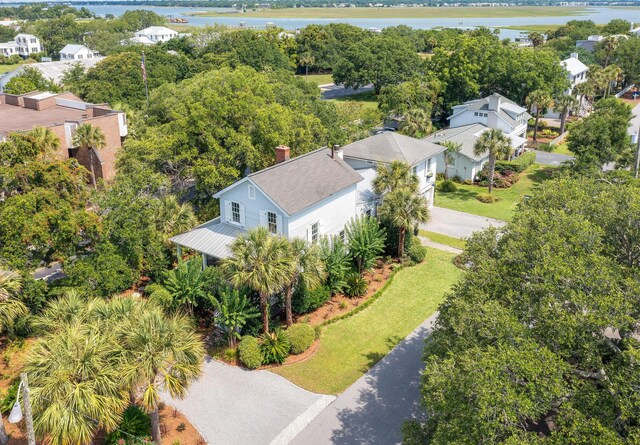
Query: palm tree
[74,378]
[393,176]
[540,100]
[308,269]
[46,139]
[450,155]
[584,90]
[497,144]
[307,60]
[564,104]
[90,138]
[173,218]
[10,307]
[612,74]
[611,44]
[160,353]
[262,262]
[416,123]
[404,208]
[233,310]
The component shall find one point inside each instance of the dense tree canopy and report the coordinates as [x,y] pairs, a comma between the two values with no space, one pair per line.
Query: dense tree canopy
[538,341]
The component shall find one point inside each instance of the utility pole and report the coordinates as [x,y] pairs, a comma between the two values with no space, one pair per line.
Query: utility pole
[31,434]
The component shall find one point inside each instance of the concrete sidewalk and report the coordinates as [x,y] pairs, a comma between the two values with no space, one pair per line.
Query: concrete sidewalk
[373,409]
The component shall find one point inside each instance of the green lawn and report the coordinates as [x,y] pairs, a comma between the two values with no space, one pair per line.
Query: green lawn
[350,347]
[397,12]
[318,79]
[562,149]
[7,68]
[458,243]
[464,199]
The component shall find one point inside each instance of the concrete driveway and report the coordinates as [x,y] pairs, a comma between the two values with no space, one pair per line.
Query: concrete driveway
[373,409]
[546,158]
[457,224]
[230,405]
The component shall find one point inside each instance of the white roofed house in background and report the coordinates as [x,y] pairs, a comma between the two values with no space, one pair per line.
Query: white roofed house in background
[590,43]
[469,120]
[309,196]
[156,34]
[77,52]
[50,70]
[576,71]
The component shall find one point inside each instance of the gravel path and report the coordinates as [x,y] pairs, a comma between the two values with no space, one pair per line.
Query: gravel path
[547,158]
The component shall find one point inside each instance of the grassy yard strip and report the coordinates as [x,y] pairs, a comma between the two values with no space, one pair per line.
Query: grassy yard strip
[7,68]
[464,199]
[562,149]
[398,12]
[351,346]
[318,79]
[444,239]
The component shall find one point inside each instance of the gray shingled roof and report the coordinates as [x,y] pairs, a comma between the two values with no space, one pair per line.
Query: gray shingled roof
[211,238]
[301,182]
[391,146]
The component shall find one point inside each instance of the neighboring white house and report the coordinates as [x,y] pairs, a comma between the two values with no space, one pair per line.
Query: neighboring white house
[308,197]
[469,120]
[155,34]
[384,148]
[590,43]
[23,45]
[77,52]
[49,70]
[576,71]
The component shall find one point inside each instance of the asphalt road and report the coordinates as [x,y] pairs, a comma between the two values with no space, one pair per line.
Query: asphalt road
[457,224]
[373,409]
[333,91]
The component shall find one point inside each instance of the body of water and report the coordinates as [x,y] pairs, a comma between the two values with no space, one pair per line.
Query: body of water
[597,14]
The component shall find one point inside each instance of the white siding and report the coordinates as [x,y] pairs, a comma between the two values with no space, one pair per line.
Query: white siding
[332,213]
[252,207]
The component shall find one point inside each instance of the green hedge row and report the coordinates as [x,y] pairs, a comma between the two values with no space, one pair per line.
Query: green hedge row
[518,165]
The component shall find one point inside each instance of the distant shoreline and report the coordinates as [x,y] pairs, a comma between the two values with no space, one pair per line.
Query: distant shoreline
[408,12]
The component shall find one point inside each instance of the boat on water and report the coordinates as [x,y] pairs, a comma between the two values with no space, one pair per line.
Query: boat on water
[177,20]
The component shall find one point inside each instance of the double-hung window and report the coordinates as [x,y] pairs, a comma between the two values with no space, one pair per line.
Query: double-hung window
[235,212]
[272,222]
[315,232]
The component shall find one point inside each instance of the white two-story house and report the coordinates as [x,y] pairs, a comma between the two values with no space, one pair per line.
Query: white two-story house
[156,34]
[366,155]
[576,71]
[77,52]
[308,197]
[22,45]
[469,120]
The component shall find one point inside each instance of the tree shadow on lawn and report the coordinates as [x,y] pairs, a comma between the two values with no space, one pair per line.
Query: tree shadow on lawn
[375,357]
[391,396]
[541,175]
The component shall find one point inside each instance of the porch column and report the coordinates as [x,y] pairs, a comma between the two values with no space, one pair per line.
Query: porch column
[204,261]
[179,253]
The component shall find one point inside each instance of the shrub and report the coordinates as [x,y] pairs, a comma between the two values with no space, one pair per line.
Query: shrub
[135,422]
[457,178]
[487,198]
[356,285]
[439,176]
[447,186]
[249,352]
[10,397]
[305,300]
[230,354]
[300,336]
[317,330]
[275,346]
[391,243]
[467,182]
[181,427]
[518,165]
[160,296]
[337,262]
[417,252]
[365,240]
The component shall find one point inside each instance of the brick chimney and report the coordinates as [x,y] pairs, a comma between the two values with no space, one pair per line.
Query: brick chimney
[282,153]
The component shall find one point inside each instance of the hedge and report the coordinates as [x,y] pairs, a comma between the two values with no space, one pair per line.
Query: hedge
[518,165]
[300,336]
[249,352]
